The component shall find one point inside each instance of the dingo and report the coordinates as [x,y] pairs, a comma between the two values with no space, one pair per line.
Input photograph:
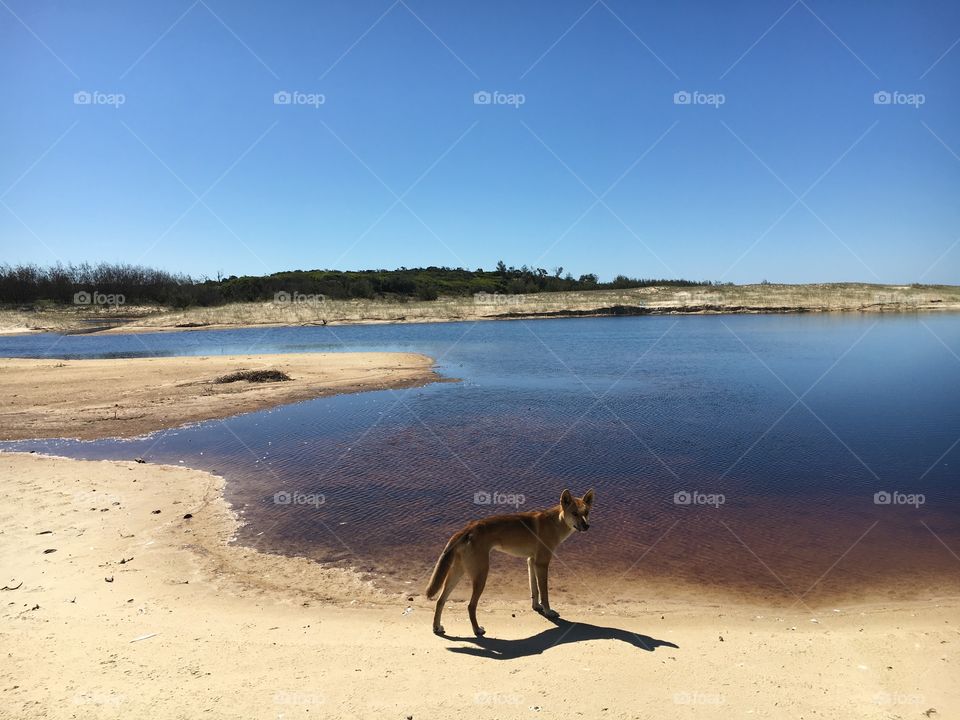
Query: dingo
[531,535]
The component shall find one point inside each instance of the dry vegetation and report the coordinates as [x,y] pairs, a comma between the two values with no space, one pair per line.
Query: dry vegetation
[254,376]
[765,298]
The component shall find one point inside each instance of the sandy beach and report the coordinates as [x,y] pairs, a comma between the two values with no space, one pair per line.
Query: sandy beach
[90,399]
[123,598]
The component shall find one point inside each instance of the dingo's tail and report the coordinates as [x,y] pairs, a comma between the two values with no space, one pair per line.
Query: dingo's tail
[442,568]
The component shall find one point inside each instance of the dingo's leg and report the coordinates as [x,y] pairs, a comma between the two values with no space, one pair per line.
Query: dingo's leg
[478,576]
[540,566]
[456,572]
[534,591]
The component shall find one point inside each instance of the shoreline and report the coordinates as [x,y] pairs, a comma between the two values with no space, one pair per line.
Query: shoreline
[611,312]
[129,398]
[240,557]
[136,608]
[95,399]
[214,524]
[95,385]
[652,300]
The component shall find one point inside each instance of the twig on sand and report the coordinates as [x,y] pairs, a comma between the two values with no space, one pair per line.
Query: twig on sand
[144,637]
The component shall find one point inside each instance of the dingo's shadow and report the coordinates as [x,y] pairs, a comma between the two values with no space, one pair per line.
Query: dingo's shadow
[564,632]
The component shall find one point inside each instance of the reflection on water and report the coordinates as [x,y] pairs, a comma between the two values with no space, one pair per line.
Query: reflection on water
[739,453]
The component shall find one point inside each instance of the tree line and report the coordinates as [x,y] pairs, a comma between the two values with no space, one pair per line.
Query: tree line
[60,284]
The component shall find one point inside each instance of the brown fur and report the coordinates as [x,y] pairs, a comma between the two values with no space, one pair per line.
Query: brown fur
[531,535]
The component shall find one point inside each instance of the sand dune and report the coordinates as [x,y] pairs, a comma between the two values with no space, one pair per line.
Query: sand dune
[654,300]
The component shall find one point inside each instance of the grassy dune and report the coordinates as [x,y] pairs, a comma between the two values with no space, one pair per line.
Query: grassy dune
[767,298]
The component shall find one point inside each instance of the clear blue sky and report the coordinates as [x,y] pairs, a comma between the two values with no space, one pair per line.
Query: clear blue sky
[704,191]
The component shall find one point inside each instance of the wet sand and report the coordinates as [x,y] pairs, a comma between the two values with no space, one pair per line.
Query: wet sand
[92,399]
[116,604]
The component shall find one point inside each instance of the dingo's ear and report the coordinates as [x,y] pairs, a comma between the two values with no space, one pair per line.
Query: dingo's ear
[566,498]
[588,498]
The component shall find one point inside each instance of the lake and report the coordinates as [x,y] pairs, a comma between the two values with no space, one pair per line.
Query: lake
[793,459]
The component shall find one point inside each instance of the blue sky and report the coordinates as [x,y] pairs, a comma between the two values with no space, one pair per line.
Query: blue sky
[782,167]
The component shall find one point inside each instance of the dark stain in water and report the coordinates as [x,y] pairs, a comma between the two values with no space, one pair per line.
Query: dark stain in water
[796,460]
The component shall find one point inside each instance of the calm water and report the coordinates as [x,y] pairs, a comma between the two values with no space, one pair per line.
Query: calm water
[797,421]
